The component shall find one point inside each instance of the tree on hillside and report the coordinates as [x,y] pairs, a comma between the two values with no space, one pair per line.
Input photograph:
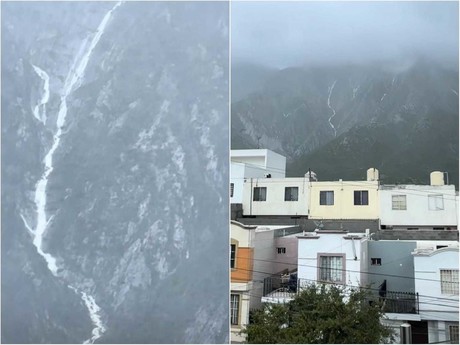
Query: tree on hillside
[322,314]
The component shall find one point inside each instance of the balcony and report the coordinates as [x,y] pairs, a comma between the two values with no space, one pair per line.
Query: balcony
[400,302]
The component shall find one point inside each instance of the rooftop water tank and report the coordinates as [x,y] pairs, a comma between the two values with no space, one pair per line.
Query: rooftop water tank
[437,178]
[372,174]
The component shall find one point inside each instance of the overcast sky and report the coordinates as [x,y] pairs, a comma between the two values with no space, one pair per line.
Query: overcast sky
[282,34]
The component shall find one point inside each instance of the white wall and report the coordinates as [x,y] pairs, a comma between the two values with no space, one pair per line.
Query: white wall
[418,212]
[275,204]
[264,250]
[256,164]
[329,243]
[427,266]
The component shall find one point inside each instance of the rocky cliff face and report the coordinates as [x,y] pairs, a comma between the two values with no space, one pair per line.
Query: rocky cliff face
[313,115]
[140,160]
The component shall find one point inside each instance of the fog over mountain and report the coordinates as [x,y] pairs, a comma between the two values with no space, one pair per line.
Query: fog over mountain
[288,34]
[114,151]
[339,87]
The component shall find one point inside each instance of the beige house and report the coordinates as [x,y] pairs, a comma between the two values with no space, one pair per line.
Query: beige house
[345,199]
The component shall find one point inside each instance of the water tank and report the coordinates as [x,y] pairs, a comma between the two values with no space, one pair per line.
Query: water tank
[437,178]
[372,174]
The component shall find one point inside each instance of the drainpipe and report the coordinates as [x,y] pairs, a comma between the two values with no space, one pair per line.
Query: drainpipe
[354,249]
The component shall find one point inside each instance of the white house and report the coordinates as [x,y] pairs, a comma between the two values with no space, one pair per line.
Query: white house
[276,196]
[253,164]
[414,207]
[436,281]
[330,256]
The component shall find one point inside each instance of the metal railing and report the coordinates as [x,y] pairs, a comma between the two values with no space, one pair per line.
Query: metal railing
[401,302]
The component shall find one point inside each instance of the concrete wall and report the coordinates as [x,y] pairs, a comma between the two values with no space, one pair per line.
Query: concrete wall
[396,259]
[256,164]
[263,262]
[343,207]
[289,259]
[433,304]
[434,235]
[336,243]
[275,204]
[418,211]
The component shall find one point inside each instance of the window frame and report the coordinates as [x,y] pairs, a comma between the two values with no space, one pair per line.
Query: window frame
[327,200]
[452,331]
[434,198]
[362,201]
[281,250]
[290,193]
[233,247]
[449,287]
[396,205]
[259,195]
[320,267]
[376,261]
[235,300]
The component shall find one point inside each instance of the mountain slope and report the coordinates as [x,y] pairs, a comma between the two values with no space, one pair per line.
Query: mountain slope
[320,115]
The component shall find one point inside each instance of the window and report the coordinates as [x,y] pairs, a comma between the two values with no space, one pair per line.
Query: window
[449,282]
[331,268]
[232,255]
[453,334]
[260,194]
[398,202]
[361,197]
[435,202]
[291,194]
[326,197]
[376,261]
[234,308]
[232,188]
[281,250]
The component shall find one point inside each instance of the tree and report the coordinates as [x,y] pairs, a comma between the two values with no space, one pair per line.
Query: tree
[322,314]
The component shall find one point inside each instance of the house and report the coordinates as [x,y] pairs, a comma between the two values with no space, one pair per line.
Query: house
[389,269]
[436,280]
[253,164]
[276,196]
[345,199]
[419,207]
[241,275]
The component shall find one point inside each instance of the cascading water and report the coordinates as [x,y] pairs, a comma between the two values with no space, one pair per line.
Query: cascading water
[72,81]
[333,110]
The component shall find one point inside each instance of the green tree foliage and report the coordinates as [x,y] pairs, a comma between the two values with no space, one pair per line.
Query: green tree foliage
[322,314]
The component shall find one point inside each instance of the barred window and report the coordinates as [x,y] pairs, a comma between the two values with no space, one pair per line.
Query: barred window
[453,334]
[331,268]
[398,202]
[232,255]
[234,308]
[449,282]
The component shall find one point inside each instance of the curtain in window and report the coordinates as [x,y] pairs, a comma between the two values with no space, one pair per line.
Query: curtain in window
[331,268]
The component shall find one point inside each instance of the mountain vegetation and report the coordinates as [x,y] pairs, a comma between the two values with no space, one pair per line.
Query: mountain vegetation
[340,120]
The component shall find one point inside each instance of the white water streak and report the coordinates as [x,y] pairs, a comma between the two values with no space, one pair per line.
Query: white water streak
[455,92]
[329,106]
[381,99]
[73,80]
[45,97]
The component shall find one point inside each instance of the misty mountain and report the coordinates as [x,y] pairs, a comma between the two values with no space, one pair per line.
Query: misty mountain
[341,120]
[120,112]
